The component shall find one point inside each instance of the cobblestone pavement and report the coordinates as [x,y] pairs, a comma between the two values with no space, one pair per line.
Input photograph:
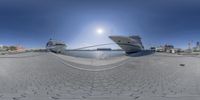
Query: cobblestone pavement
[41,76]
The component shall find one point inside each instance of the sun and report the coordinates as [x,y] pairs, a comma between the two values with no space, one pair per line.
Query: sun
[100,31]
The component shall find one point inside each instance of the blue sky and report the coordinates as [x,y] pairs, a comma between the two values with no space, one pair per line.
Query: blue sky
[31,23]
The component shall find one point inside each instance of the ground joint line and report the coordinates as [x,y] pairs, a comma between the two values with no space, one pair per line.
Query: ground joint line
[65,63]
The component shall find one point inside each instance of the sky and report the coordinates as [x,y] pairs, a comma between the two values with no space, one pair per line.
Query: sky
[31,23]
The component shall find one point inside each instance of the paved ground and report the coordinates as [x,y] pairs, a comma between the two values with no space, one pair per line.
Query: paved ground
[42,76]
[91,64]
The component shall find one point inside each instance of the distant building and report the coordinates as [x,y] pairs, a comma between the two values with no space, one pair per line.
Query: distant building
[159,49]
[196,48]
[19,48]
[2,48]
[175,50]
[153,48]
[198,44]
[167,48]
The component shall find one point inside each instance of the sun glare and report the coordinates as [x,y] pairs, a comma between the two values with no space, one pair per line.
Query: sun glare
[100,31]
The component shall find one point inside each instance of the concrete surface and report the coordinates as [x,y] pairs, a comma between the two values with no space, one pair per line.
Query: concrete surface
[42,76]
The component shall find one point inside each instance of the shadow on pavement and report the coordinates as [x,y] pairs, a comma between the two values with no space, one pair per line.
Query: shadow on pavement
[141,53]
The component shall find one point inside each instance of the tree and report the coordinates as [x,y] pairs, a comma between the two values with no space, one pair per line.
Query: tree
[12,48]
